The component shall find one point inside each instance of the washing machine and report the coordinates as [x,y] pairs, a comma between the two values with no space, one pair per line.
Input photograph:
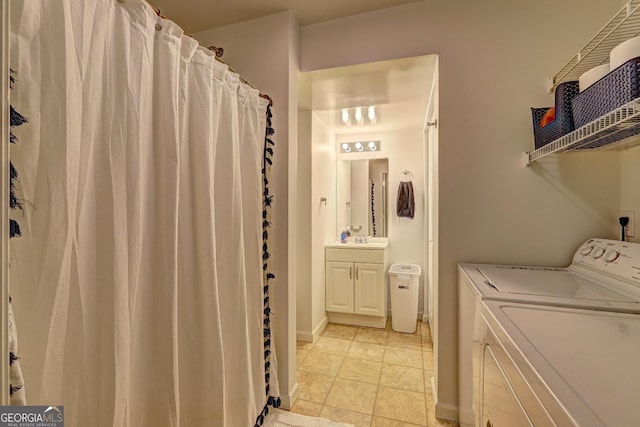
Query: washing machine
[604,276]
[544,365]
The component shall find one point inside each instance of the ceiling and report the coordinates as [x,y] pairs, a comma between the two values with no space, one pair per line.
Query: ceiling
[199,15]
[399,91]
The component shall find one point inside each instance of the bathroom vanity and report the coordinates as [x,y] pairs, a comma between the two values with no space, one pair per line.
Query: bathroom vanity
[355,275]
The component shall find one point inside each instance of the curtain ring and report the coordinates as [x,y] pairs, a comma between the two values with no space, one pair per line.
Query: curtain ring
[159,13]
[218,51]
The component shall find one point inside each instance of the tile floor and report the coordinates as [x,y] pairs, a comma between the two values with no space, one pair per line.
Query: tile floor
[368,377]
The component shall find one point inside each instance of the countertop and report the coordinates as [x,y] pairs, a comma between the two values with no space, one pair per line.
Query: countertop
[352,245]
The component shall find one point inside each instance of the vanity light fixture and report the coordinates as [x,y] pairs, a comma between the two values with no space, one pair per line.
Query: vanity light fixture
[360,146]
[366,115]
[345,116]
[358,115]
[371,113]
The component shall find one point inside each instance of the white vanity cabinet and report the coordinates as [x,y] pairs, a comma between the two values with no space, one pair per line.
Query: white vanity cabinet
[355,279]
[355,287]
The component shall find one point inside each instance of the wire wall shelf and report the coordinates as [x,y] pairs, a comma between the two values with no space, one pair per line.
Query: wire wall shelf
[616,130]
[623,26]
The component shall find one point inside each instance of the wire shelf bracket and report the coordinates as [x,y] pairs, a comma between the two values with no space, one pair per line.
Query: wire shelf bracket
[623,26]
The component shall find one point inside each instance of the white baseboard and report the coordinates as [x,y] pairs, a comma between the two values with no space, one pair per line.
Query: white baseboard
[304,336]
[444,411]
[466,418]
[317,331]
[358,320]
[425,318]
[315,335]
[289,399]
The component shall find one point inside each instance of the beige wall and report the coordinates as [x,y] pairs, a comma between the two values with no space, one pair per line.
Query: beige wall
[629,186]
[323,167]
[304,315]
[318,167]
[494,57]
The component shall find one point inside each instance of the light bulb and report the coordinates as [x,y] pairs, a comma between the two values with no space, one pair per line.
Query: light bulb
[359,146]
[345,116]
[346,148]
[358,114]
[372,146]
[371,113]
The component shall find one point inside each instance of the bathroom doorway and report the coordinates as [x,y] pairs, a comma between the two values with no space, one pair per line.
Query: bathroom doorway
[390,104]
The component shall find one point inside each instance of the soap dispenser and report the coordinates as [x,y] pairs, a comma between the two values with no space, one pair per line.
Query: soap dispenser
[343,235]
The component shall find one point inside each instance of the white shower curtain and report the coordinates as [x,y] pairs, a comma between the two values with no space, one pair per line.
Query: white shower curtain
[138,280]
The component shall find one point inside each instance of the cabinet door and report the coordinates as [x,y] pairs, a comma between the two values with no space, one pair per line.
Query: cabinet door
[339,284]
[369,289]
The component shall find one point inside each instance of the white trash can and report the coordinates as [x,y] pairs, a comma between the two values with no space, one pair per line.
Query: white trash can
[403,281]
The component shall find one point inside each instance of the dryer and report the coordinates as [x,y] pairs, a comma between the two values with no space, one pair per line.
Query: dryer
[604,275]
[543,365]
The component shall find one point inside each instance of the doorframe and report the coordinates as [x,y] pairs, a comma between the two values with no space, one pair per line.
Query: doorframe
[431,230]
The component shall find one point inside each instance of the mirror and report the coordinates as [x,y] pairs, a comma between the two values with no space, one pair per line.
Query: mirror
[362,196]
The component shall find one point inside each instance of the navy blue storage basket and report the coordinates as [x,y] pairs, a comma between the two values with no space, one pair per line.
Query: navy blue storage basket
[563,123]
[610,92]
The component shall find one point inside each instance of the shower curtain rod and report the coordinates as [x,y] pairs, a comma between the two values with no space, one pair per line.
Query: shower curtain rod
[218,52]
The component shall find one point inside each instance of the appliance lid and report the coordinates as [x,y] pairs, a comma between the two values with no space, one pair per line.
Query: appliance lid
[588,359]
[547,282]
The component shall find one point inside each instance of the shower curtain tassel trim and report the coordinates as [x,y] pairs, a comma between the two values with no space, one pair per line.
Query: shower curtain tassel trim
[15,119]
[268,275]
[12,358]
[14,229]
[14,389]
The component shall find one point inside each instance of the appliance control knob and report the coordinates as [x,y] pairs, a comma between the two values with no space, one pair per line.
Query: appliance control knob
[611,256]
[586,250]
[598,252]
